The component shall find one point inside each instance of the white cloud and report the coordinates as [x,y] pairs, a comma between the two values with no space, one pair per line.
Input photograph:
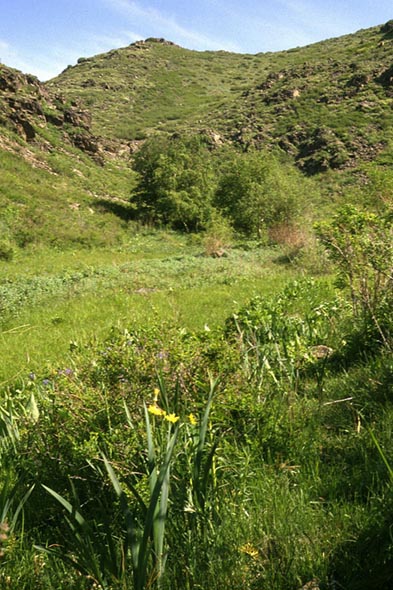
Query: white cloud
[167,26]
[46,66]
[102,43]
[38,65]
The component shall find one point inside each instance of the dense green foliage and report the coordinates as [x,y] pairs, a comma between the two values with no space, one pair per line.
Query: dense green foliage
[258,192]
[176,183]
[268,461]
[361,243]
[185,185]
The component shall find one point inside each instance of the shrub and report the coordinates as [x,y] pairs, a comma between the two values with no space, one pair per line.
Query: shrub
[6,250]
[257,191]
[176,182]
[361,243]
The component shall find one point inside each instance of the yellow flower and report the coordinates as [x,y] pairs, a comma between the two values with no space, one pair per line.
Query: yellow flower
[193,421]
[156,394]
[156,410]
[250,550]
[172,418]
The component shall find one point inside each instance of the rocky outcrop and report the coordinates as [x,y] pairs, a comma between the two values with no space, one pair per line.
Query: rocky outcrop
[78,118]
[26,107]
[386,78]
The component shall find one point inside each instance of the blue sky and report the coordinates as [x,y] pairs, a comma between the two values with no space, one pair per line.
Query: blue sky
[42,37]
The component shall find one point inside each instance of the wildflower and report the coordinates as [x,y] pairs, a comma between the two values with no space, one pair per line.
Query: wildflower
[156,394]
[156,410]
[249,549]
[32,376]
[192,420]
[4,530]
[172,418]
[67,372]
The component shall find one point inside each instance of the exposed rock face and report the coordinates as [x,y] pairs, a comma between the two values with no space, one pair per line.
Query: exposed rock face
[78,118]
[160,40]
[359,80]
[10,80]
[25,127]
[386,78]
[26,106]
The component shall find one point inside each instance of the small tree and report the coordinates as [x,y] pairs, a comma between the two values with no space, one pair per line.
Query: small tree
[176,182]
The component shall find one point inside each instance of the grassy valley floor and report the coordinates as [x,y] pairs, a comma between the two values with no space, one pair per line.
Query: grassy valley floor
[51,298]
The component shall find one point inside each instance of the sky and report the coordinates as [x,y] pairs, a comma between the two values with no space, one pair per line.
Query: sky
[43,37]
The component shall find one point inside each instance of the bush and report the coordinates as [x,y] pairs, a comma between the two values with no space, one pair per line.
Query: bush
[176,182]
[257,191]
[361,243]
[6,250]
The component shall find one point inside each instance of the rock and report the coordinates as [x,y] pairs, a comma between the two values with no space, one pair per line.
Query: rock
[55,119]
[26,105]
[386,78]
[359,81]
[90,144]
[24,128]
[10,80]
[85,143]
[159,40]
[77,118]
[320,351]
[89,83]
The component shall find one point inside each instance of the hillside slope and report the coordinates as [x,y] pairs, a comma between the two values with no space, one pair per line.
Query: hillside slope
[66,146]
[58,180]
[328,104]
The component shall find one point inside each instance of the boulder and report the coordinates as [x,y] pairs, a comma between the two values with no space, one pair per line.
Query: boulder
[77,118]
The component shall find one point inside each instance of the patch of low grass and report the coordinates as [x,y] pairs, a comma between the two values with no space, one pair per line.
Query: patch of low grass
[75,300]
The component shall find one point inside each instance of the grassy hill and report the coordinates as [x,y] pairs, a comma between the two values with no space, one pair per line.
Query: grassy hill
[327,104]
[70,141]
[59,184]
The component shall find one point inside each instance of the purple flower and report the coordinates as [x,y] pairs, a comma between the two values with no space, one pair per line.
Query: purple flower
[31,376]
[68,372]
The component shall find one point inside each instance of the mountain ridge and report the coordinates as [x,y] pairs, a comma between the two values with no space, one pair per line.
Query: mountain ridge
[155,86]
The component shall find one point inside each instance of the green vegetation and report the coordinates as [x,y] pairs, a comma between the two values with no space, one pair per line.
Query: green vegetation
[268,434]
[181,184]
[195,320]
[176,183]
[325,104]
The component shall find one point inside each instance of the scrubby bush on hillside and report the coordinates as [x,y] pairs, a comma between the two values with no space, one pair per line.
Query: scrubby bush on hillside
[6,250]
[184,185]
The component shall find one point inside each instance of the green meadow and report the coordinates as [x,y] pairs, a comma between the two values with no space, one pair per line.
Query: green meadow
[172,419]
[50,299]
